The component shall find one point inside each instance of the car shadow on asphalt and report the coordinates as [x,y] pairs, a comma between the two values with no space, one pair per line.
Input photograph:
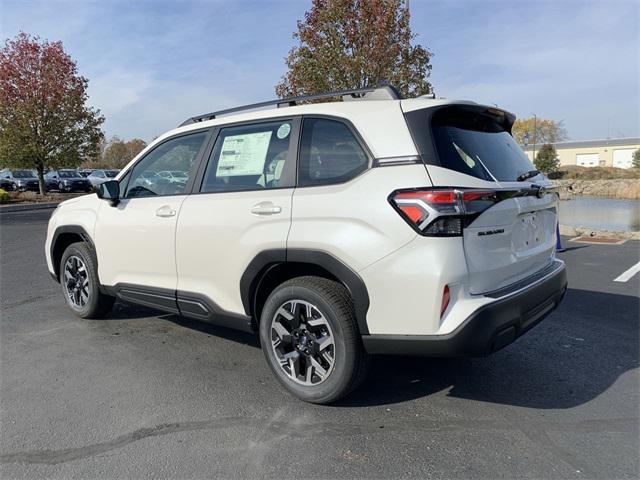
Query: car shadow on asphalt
[238,336]
[128,311]
[570,358]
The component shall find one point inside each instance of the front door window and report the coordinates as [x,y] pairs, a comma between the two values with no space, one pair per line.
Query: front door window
[178,154]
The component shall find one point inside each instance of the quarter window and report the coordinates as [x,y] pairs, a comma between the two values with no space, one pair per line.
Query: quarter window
[179,153]
[250,157]
[329,153]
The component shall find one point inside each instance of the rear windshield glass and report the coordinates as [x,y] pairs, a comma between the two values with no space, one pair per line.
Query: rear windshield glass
[477,143]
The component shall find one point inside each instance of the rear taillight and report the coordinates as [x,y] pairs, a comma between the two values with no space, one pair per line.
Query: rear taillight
[441,212]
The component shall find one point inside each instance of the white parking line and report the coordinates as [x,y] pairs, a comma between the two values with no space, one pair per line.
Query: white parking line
[629,273]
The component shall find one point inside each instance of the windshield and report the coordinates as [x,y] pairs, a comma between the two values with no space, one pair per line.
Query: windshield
[23,174]
[477,142]
[178,174]
[69,174]
[111,173]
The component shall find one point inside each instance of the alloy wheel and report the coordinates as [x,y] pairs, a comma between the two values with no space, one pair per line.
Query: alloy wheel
[303,342]
[76,279]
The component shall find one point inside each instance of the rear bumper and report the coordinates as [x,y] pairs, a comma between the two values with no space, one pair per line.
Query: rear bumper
[489,328]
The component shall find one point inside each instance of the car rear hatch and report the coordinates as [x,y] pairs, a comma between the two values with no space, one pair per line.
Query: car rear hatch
[508,226]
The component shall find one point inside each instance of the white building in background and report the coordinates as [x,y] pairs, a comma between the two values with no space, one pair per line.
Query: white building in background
[613,152]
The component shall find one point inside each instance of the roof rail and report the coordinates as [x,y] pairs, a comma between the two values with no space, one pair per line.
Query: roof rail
[382,91]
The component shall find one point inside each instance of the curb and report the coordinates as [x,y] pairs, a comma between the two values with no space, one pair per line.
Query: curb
[25,207]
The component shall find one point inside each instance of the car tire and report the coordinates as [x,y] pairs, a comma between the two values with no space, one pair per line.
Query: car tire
[60,187]
[79,281]
[321,338]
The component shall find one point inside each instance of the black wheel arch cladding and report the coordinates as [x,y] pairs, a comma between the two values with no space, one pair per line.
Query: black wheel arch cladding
[266,260]
[64,236]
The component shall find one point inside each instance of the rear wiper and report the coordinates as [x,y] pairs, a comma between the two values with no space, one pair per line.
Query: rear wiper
[526,175]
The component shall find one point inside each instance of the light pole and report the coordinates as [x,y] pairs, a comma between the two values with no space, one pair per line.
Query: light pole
[535,133]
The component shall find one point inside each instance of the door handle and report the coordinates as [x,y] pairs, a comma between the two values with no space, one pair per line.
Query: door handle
[165,211]
[266,208]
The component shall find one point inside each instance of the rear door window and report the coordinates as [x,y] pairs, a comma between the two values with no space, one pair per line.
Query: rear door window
[251,157]
[329,153]
[475,142]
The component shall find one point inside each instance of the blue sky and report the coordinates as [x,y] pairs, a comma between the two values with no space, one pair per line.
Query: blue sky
[151,64]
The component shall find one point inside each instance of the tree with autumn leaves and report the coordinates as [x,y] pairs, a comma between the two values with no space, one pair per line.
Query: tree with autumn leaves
[115,153]
[44,119]
[538,130]
[346,44]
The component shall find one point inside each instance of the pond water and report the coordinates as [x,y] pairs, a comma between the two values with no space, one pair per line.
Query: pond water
[601,213]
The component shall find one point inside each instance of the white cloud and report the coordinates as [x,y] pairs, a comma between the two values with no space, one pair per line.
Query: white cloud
[576,61]
[116,90]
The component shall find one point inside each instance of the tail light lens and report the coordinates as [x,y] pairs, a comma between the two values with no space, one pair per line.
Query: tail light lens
[441,212]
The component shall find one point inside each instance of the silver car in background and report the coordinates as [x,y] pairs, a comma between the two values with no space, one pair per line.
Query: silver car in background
[175,176]
[100,176]
[21,180]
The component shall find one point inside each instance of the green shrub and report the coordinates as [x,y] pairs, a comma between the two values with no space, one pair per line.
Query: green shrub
[547,160]
[4,196]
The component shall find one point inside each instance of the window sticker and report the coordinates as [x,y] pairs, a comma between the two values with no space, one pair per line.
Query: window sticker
[283,131]
[243,154]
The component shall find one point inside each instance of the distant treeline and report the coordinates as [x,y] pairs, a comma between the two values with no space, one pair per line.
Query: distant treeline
[115,153]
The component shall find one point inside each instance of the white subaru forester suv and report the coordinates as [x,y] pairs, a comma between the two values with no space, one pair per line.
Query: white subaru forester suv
[371,225]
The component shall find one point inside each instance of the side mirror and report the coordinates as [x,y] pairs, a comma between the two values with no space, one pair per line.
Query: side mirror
[109,191]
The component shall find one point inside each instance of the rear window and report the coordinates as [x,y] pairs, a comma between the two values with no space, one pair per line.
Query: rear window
[475,142]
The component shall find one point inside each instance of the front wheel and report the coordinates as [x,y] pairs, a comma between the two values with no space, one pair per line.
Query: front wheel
[79,281]
[310,339]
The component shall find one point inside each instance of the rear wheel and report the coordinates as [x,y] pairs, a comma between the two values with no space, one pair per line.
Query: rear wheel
[310,339]
[79,281]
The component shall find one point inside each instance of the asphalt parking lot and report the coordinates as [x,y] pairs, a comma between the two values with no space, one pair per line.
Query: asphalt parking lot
[144,394]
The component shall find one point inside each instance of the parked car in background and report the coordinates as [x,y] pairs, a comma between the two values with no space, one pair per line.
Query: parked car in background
[175,176]
[152,181]
[67,181]
[100,176]
[22,180]
[85,172]
[7,185]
